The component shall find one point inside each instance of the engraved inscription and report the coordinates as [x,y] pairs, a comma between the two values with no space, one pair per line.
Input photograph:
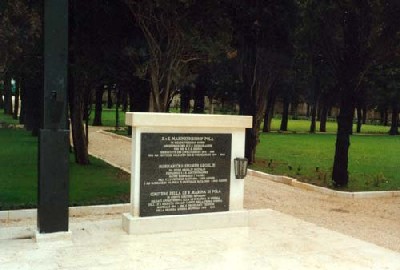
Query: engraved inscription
[184,173]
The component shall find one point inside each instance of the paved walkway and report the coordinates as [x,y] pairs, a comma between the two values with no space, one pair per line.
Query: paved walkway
[272,241]
[120,154]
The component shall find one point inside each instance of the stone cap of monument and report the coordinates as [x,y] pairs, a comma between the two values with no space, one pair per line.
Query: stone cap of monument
[142,119]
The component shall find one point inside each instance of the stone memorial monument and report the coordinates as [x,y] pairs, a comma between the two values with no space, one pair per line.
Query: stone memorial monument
[183,172]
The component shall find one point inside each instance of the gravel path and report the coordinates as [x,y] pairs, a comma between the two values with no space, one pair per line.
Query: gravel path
[113,148]
[376,220]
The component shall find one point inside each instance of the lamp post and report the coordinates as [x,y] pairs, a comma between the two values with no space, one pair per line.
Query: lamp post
[54,136]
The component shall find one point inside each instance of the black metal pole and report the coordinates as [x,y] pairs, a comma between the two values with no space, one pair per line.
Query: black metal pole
[53,139]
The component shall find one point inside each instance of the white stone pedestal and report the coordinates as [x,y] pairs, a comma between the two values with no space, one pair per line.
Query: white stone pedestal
[169,123]
[159,224]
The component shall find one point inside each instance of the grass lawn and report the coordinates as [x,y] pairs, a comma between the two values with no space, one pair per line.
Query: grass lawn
[301,126]
[373,160]
[7,119]
[97,183]
[294,126]
[374,156]
[108,117]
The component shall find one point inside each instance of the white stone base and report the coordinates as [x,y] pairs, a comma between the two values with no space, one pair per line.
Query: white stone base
[158,224]
[52,237]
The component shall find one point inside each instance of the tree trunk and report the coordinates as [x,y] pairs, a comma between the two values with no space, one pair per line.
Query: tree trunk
[109,97]
[394,127]
[247,107]
[385,118]
[86,114]
[313,126]
[211,99]
[340,175]
[364,115]
[139,96]
[316,88]
[199,94]
[33,96]
[318,114]
[124,100]
[185,100]
[269,113]
[16,99]
[7,94]
[293,110]
[78,131]
[152,104]
[308,110]
[22,110]
[359,119]
[98,109]
[131,107]
[1,97]
[117,103]
[250,144]
[285,115]
[323,118]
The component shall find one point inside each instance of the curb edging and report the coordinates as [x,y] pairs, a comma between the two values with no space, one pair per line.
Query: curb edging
[108,133]
[75,211]
[341,194]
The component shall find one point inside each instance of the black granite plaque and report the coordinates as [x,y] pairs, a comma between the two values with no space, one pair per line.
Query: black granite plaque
[184,173]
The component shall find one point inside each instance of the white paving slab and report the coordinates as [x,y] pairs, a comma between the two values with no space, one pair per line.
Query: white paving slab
[272,241]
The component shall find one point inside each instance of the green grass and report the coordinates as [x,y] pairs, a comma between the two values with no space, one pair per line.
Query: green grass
[97,183]
[108,117]
[301,126]
[294,126]
[7,119]
[373,160]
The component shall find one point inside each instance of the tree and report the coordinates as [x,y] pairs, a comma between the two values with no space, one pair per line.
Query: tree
[386,81]
[20,29]
[98,57]
[262,38]
[177,34]
[355,35]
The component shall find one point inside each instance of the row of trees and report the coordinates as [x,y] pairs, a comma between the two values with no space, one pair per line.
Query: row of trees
[341,53]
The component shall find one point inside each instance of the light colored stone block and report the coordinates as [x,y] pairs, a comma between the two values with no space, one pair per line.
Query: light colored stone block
[22,214]
[260,174]
[52,237]
[373,194]
[187,120]
[286,180]
[251,172]
[157,224]
[343,194]
[326,191]
[99,209]
[301,185]
[4,215]
[18,232]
